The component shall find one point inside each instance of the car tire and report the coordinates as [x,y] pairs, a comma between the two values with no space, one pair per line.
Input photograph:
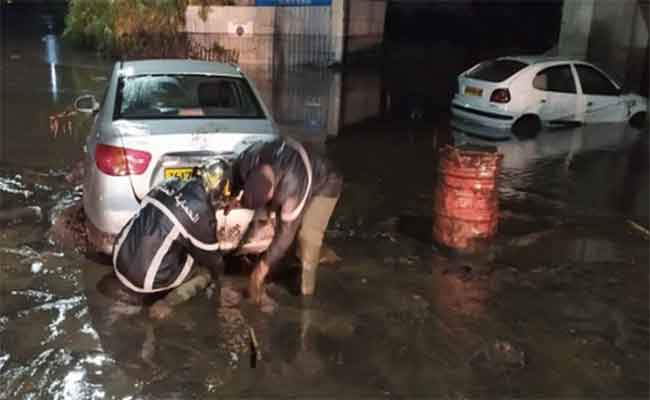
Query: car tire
[639,120]
[527,127]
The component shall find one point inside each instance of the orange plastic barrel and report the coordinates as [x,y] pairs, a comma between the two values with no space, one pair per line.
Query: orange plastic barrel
[466,207]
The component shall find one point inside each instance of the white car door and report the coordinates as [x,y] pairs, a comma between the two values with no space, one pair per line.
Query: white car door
[601,96]
[556,87]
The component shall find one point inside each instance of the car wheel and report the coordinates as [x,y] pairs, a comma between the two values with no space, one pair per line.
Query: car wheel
[527,127]
[639,120]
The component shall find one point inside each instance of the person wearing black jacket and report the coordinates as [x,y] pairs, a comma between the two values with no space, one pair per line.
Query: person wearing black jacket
[174,228]
[301,186]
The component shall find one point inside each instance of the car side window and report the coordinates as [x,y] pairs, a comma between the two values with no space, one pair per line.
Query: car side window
[555,79]
[595,82]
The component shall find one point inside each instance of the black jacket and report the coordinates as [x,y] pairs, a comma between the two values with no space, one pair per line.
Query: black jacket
[174,227]
[292,180]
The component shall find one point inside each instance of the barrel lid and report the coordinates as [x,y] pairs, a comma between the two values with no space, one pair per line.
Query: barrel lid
[476,148]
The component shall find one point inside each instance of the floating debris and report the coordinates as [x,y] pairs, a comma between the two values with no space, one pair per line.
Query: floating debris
[500,355]
[387,235]
[235,333]
[61,122]
[22,251]
[256,353]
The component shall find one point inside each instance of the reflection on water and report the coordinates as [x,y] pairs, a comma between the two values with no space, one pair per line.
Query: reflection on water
[308,102]
[41,76]
[599,169]
[52,57]
[316,103]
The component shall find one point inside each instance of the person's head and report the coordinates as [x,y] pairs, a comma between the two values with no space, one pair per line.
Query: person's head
[216,179]
[259,187]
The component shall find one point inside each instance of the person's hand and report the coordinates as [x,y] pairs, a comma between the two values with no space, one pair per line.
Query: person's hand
[231,203]
[256,283]
[160,310]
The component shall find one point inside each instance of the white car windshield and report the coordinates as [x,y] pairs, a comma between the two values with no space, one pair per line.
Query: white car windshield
[185,96]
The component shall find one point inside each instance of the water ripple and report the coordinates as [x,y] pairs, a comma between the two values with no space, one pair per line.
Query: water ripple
[61,307]
[14,186]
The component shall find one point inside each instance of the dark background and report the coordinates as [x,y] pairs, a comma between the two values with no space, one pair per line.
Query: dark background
[533,24]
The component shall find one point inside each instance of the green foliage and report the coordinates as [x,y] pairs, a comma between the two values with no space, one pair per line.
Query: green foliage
[152,16]
[90,23]
[109,26]
[127,27]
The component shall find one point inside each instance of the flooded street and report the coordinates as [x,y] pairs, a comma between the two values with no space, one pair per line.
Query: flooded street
[558,306]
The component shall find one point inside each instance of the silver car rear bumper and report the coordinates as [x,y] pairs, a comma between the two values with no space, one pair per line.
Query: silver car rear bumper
[109,202]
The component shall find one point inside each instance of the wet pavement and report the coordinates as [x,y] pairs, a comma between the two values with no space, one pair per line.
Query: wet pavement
[558,306]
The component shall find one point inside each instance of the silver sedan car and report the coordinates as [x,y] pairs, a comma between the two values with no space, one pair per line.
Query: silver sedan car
[159,119]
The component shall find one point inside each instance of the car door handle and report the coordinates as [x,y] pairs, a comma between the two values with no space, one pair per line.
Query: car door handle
[591,103]
[543,101]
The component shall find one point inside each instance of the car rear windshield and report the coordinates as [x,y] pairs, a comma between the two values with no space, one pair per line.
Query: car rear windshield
[497,70]
[185,96]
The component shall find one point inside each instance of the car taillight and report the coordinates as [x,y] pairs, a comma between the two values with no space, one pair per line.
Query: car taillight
[120,161]
[500,96]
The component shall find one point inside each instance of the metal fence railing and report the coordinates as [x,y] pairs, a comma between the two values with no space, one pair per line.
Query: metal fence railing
[180,45]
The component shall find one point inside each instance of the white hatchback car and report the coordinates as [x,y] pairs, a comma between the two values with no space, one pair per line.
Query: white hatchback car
[522,94]
[159,119]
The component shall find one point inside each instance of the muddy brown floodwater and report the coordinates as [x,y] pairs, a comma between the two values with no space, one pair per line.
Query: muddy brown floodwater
[557,306]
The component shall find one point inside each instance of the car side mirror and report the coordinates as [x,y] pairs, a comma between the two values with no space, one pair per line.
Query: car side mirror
[86,104]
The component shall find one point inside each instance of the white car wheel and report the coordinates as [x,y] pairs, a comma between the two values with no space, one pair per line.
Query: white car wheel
[527,126]
[639,120]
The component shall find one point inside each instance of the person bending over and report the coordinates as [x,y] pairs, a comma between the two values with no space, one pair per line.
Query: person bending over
[302,187]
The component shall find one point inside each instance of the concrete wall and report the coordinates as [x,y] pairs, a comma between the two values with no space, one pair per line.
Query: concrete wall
[254,40]
[338,16]
[618,38]
[611,34]
[255,20]
[575,28]
[318,35]
[365,29]
[266,35]
[360,97]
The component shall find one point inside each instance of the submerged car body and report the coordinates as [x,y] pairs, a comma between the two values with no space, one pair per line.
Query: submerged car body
[158,119]
[523,94]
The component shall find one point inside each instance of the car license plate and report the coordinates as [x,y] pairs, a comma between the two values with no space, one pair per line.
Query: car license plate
[182,173]
[472,91]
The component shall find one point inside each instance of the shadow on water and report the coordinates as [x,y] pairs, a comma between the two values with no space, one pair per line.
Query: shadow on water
[418,227]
